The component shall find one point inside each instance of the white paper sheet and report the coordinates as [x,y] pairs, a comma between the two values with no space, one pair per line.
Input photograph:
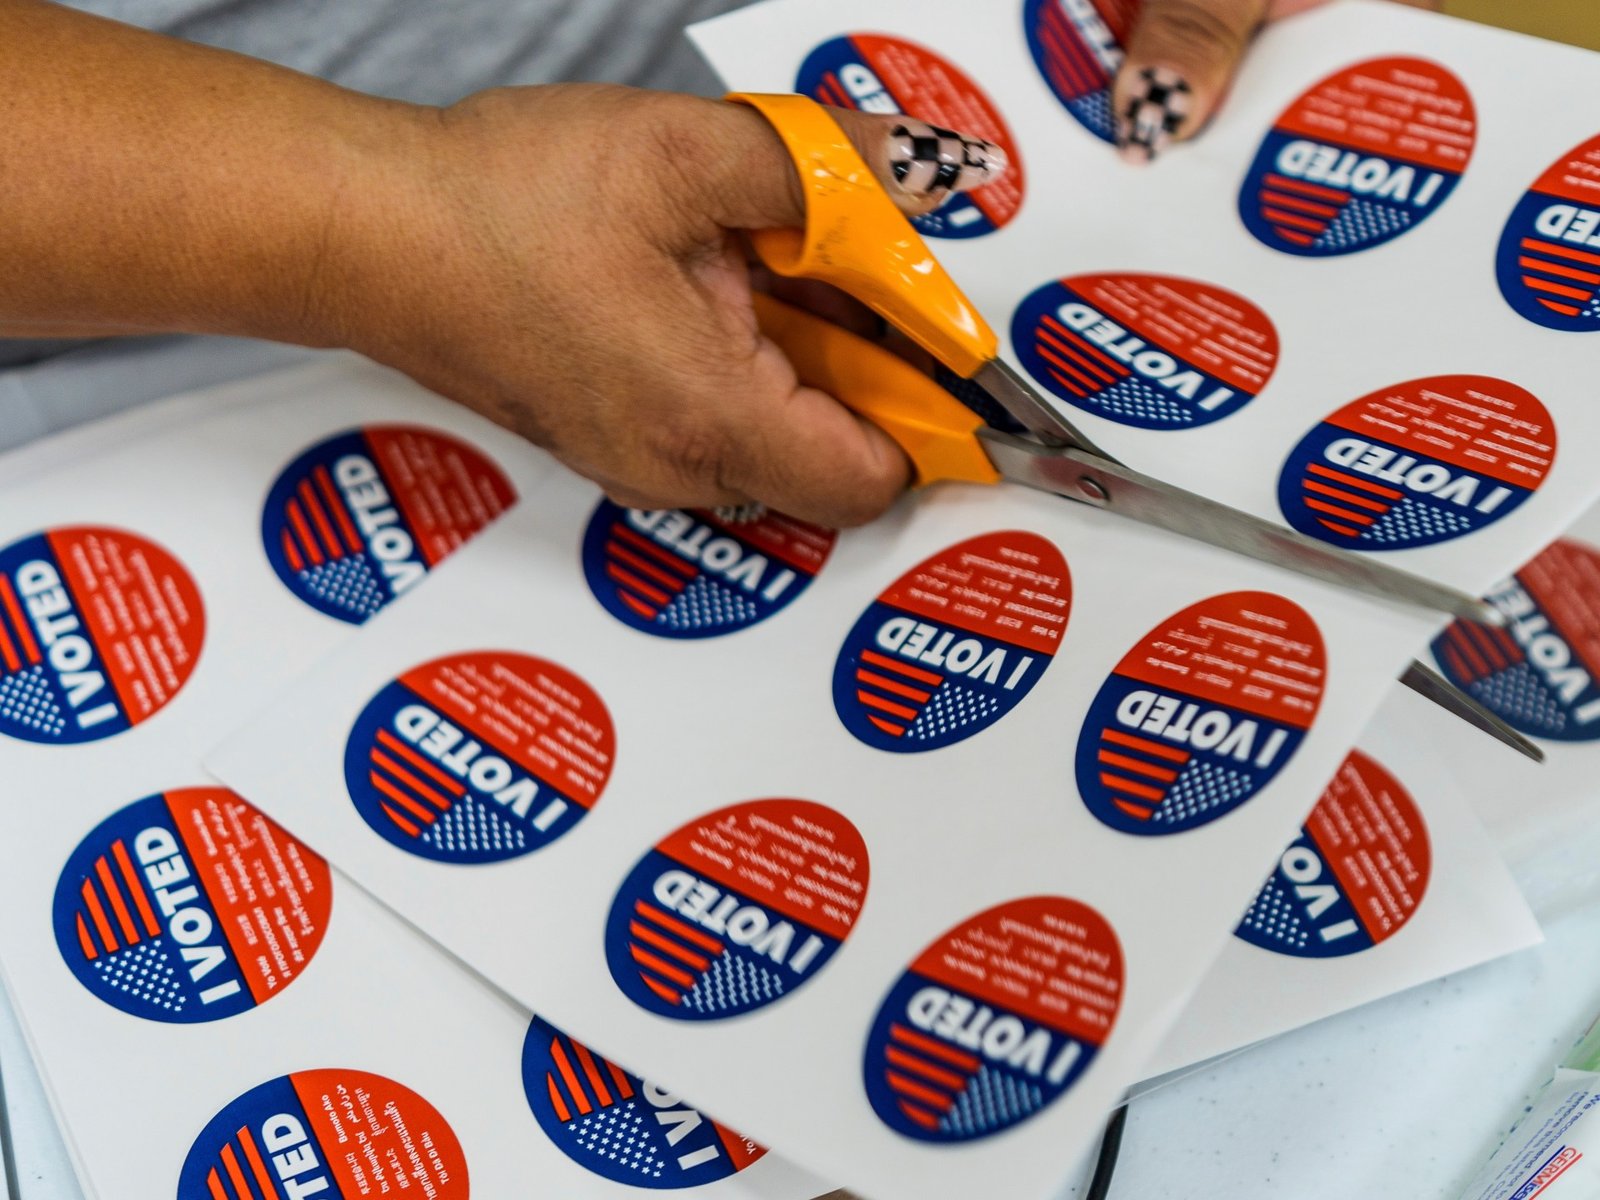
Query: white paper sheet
[694,724]
[1393,882]
[1423,305]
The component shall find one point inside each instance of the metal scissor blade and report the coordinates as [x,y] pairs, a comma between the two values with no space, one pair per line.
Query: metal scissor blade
[1077,475]
[1431,685]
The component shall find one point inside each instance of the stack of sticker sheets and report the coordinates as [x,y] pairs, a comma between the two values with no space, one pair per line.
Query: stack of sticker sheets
[902,851]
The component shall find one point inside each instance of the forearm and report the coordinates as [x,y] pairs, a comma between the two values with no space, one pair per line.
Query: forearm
[153,184]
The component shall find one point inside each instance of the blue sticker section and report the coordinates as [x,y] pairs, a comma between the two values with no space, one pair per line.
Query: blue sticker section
[270,1122]
[941,1066]
[1349,200]
[58,692]
[1154,762]
[674,574]
[1081,355]
[333,488]
[1437,502]
[838,73]
[683,946]
[615,1124]
[465,802]
[946,684]
[135,925]
[1548,263]
[1303,910]
[1079,56]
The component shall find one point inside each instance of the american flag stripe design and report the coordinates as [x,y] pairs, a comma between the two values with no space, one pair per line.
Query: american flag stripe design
[416,793]
[1074,362]
[926,1075]
[1474,652]
[18,648]
[831,91]
[1138,772]
[1566,278]
[1073,71]
[581,1081]
[1300,212]
[647,576]
[318,526]
[116,911]
[895,692]
[1345,504]
[241,1172]
[670,955]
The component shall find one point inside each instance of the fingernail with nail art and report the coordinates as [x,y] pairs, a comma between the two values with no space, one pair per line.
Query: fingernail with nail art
[1159,102]
[932,162]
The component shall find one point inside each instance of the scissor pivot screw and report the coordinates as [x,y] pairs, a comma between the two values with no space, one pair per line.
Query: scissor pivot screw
[1093,490]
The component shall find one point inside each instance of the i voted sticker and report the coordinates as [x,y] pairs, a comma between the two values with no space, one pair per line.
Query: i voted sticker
[1202,714]
[479,757]
[1549,259]
[1539,672]
[1419,463]
[1149,351]
[325,1135]
[994,1021]
[1361,158]
[685,573]
[954,644]
[190,906]
[880,74]
[360,518]
[737,909]
[1353,878]
[1078,46]
[619,1126]
[99,630]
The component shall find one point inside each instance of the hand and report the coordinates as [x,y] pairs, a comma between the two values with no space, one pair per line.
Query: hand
[564,260]
[1182,55]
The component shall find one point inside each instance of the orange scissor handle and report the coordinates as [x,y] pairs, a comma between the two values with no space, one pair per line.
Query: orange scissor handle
[937,432]
[856,239]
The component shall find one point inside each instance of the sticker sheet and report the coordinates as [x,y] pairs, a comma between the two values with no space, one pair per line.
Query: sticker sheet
[1391,882]
[1352,306]
[903,845]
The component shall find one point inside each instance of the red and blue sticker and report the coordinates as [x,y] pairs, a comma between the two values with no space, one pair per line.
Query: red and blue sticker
[737,909]
[1549,258]
[879,74]
[1360,159]
[1205,711]
[954,644]
[1539,672]
[479,757]
[995,1021]
[1353,878]
[621,1127]
[190,906]
[325,1135]
[685,573]
[1419,463]
[1079,46]
[1149,351]
[99,630]
[360,518]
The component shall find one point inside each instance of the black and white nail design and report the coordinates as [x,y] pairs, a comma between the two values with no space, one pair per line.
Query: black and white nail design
[928,161]
[1159,102]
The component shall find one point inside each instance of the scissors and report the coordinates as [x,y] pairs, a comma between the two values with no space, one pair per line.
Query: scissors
[856,239]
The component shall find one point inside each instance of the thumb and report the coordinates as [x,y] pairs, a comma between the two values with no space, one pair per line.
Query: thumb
[1182,55]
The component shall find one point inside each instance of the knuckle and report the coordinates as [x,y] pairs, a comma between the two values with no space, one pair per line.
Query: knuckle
[696,453]
[1195,28]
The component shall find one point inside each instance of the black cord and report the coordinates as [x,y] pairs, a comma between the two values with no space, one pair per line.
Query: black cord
[1106,1165]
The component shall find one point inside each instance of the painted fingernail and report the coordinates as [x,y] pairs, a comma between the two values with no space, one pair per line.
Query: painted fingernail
[928,161]
[1159,102]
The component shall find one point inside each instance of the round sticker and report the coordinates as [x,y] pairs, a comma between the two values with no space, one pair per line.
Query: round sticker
[1360,158]
[688,574]
[479,757]
[360,518]
[995,1020]
[1419,463]
[1078,47]
[1353,877]
[737,909]
[1539,672]
[619,1126]
[954,644]
[1202,714]
[325,1135]
[99,629]
[1146,350]
[190,906]
[1549,259]
[880,74]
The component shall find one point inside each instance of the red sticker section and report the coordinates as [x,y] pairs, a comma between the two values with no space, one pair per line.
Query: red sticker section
[381,1137]
[445,489]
